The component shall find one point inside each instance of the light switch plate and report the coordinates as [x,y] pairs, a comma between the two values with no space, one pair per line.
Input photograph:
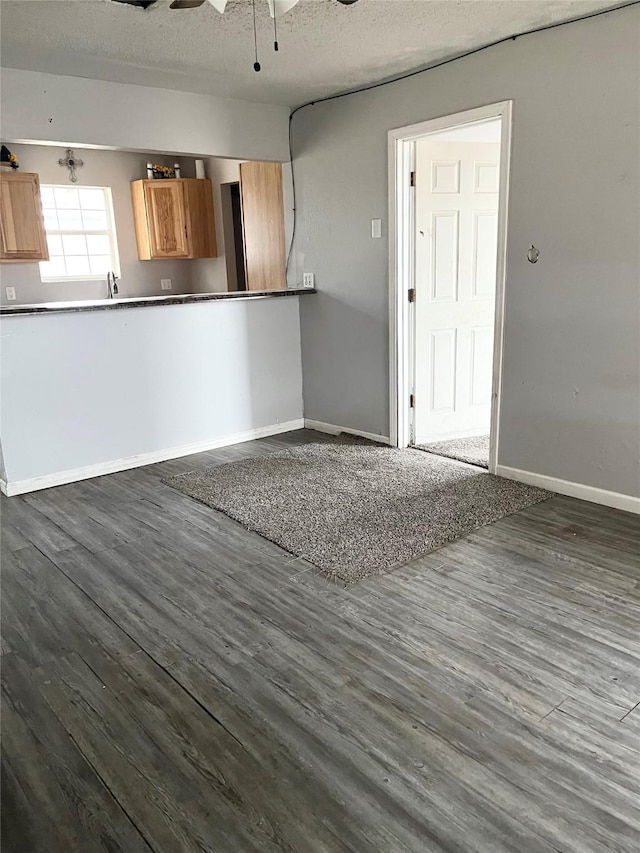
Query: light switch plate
[165,283]
[11,293]
[376,228]
[308,279]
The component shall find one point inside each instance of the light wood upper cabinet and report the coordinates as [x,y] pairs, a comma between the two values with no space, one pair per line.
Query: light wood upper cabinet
[174,218]
[263,225]
[22,234]
[166,221]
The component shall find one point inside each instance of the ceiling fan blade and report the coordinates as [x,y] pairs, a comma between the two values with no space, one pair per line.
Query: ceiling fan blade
[218,5]
[141,4]
[186,4]
[279,7]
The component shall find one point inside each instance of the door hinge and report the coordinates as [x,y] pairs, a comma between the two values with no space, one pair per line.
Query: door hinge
[412,180]
[412,294]
[412,401]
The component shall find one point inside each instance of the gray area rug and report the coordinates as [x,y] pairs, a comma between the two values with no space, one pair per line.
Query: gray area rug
[474,451]
[354,508]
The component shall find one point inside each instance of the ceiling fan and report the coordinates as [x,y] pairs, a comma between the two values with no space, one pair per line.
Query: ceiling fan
[276,7]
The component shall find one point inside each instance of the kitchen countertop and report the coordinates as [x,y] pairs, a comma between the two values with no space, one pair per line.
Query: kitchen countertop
[142,301]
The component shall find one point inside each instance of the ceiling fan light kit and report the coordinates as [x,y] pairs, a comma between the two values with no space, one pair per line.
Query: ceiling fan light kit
[276,9]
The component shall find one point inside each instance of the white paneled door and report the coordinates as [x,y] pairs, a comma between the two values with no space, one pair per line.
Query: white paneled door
[456,218]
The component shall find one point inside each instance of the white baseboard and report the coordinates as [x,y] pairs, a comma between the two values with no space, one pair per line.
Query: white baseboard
[61,478]
[573,490]
[332,429]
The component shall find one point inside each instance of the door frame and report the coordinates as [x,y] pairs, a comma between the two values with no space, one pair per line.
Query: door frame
[402,263]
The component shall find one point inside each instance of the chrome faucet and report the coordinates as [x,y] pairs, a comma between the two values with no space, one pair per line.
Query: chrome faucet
[112,286]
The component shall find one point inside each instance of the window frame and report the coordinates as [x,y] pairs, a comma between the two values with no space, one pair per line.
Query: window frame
[109,232]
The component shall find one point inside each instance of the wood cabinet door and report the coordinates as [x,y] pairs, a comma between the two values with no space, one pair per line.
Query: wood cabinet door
[263,225]
[22,235]
[166,219]
[201,223]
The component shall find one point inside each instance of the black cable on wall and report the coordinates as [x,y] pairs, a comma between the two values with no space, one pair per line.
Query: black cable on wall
[408,74]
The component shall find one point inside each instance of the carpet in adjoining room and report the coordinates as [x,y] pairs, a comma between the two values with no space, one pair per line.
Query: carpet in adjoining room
[473,451]
[354,508]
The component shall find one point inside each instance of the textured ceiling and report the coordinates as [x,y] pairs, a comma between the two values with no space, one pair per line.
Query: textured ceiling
[324,47]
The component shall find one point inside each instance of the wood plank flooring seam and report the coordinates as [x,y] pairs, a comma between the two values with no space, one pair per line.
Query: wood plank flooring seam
[109,791]
[147,653]
[623,718]
[559,705]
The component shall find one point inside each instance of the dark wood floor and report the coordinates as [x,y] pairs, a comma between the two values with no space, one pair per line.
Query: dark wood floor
[174,683]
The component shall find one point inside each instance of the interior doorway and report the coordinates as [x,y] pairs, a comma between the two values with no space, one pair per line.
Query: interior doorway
[449,191]
[231,198]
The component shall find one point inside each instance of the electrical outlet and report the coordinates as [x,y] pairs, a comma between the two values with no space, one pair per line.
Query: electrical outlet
[376,228]
[11,293]
[165,283]
[308,279]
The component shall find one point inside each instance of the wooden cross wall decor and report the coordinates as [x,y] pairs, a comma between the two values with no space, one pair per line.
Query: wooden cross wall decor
[72,163]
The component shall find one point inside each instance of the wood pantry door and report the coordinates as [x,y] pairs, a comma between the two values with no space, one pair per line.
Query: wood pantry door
[456,238]
[263,225]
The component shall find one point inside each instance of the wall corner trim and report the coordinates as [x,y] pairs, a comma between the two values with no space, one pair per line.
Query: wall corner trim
[333,429]
[60,478]
[629,503]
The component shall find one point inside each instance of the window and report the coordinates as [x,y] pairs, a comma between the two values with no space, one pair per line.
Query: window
[80,233]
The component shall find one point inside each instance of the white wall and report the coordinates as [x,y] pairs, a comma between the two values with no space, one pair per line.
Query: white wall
[88,389]
[81,390]
[77,111]
[49,108]
[571,394]
[115,169]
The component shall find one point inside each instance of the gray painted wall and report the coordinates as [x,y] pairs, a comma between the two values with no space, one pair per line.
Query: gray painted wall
[89,388]
[571,393]
[209,275]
